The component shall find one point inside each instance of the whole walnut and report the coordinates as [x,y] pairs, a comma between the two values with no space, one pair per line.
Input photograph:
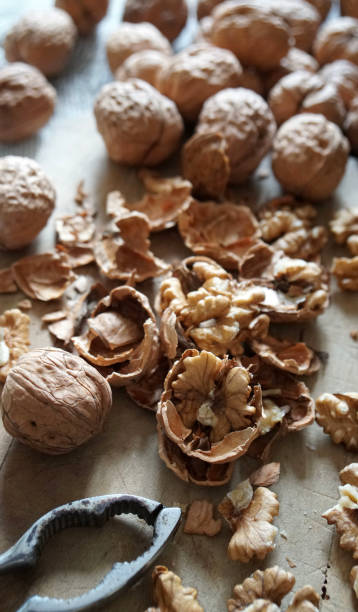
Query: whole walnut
[322,6]
[27,199]
[139,125]
[169,16]
[337,39]
[27,101]
[54,401]
[296,59]
[193,75]
[205,7]
[144,65]
[252,79]
[349,8]
[301,18]
[85,13]
[351,125]
[130,38]
[309,156]
[44,39]
[344,75]
[246,28]
[303,92]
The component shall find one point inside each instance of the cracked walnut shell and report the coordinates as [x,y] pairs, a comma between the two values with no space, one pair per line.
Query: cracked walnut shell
[27,101]
[130,38]
[43,277]
[170,595]
[139,125]
[85,13]
[337,414]
[309,156]
[272,584]
[14,339]
[54,401]
[337,39]
[344,225]
[44,39]
[27,199]
[170,18]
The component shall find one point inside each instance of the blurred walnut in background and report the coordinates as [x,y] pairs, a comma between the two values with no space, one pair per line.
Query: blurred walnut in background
[349,8]
[130,38]
[144,65]
[85,13]
[169,16]
[337,39]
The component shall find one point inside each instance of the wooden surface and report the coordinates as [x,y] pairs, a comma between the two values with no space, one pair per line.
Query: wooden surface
[124,458]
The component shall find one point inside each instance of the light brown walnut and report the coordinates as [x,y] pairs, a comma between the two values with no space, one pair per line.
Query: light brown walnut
[200,519]
[349,8]
[170,18]
[170,595]
[345,269]
[337,40]
[76,229]
[85,13]
[27,101]
[344,75]
[337,414]
[129,38]
[54,401]
[43,277]
[344,514]
[14,339]
[305,600]
[144,65]
[314,138]
[7,283]
[296,59]
[205,163]
[205,7]
[43,38]
[139,125]
[272,584]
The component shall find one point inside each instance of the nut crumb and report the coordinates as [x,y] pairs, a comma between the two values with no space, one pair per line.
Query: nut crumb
[266,475]
[290,563]
[354,335]
[24,305]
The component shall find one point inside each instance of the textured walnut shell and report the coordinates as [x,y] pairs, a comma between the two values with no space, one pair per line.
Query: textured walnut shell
[144,65]
[295,60]
[139,125]
[130,38]
[252,79]
[303,92]
[205,163]
[27,199]
[309,156]
[169,17]
[44,39]
[193,75]
[301,18]
[322,6]
[44,276]
[344,75]
[54,401]
[337,39]
[245,121]
[27,101]
[351,126]
[85,13]
[349,8]
[205,7]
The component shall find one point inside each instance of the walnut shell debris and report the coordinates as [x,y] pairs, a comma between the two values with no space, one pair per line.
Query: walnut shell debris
[337,414]
[294,357]
[43,277]
[7,283]
[144,65]
[130,38]
[345,269]
[27,199]
[272,584]
[314,138]
[74,229]
[195,74]
[122,335]
[295,60]
[85,13]
[170,18]
[344,75]
[200,519]
[14,339]
[54,401]
[170,595]
[349,7]
[337,39]
[266,475]
[139,125]
[43,38]
[221,231]
[254,535]
[205,163]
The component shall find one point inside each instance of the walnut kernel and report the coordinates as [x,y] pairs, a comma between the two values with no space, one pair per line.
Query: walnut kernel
[337,414]
[14,339]
[200,520]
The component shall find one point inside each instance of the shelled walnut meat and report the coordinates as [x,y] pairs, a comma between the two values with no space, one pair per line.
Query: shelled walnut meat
[170,595]
[200,519]
[27,101]
[85,13]
[349,8]
[27,199]
[14,339]
[344,227]
[169,18]
[309,156]
[44,39]
[337,414]
[144,65]
[344,514]
[139,125]
[130,38]
[337,39]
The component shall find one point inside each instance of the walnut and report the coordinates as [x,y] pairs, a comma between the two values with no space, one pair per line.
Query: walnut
[337,414]
[322,6]
[314,138]
[43,277]
[301,18]
[27,101]
[78,255]
[303,92]
[205,7]
[195,74]
[296,59]
[130,38]
[170,18]
[7,283]
[344,75]
[200,520]
[76,229]
[246,123]
[266,475]
[204,30]
[252,79]
[122,335]
[254,534]
[272,584]
[144,65]
[139,125]
[54,401]
[305,600]
[351,126]
[349,7]
[221,231]
[162,203]
[345,270]
[344,224]
[344,514]
[148,393]
[85,13]
[337,39]
[43,38]
[354,579]
[294,357]
[170,595]
[14,339]
[206,165]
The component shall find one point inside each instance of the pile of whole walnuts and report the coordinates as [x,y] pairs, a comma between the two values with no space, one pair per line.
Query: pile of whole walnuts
[207,359]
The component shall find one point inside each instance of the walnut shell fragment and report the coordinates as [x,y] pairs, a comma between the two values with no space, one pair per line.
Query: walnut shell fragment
[266,475]
[345,269]
[349,7]
[337,414]
[272,584]
[122,335]
[337,40]
[85,13]
[295,60]
[205,163]
[43,277]
[43,38]
[148,393]
[294,357]
[14,339]
[75,229]
[169,594]
[170,18]
[200,520]
[7,283]
[139,125]
[130,38]
[223,232]
[144,65]
[54,401]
